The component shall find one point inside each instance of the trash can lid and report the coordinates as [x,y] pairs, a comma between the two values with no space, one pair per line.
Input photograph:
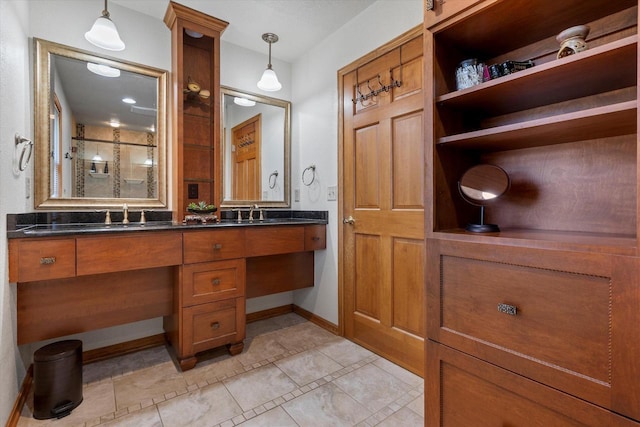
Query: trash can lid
[57,350]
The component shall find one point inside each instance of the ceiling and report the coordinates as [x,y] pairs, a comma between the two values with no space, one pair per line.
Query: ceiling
[300,24]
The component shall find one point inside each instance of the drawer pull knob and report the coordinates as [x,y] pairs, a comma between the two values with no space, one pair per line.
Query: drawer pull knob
[217,246]
[48,260]
[315,238]
[215,282]
[215,325]
[511,310]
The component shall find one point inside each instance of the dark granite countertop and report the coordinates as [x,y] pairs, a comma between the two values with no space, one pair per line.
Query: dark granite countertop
[43,224]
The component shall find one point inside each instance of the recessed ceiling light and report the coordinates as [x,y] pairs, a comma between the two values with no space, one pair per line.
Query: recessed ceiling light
[103,70]
[128,100]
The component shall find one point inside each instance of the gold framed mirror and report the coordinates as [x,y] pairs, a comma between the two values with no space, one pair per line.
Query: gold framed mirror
[255,152]
[100,131]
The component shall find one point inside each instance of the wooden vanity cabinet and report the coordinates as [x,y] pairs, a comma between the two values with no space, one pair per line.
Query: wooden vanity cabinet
[535,324]
[209,308]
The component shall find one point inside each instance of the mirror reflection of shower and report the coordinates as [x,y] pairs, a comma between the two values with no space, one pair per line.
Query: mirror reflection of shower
[479,186]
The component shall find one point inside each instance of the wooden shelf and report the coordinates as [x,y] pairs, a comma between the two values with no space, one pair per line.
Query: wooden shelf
[598,70]
[601,122]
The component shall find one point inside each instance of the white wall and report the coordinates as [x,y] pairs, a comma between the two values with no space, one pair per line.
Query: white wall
[315,128]
[15,116]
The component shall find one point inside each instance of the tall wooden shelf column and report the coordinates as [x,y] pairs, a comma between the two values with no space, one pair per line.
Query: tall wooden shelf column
[195,119]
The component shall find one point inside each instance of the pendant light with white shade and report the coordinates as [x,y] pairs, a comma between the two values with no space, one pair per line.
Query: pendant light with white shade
[269,81]
[104,33]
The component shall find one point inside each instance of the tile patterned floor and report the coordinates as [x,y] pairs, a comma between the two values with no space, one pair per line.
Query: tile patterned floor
[291,373]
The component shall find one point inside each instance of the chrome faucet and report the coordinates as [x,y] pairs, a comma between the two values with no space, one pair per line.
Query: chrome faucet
[125,211]
[251,209]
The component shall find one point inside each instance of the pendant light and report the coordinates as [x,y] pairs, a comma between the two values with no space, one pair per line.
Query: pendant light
[104,33]
[269,81]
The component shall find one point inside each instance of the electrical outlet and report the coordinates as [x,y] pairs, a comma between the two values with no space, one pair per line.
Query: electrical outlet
[332,193]
[265,195]
[296,195]
[27,187]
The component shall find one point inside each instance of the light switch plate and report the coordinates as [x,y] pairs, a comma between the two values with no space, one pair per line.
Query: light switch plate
[332,193]
[296,195]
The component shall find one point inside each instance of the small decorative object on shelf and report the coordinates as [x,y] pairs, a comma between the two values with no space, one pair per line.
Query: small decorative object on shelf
[572,40]
[201,213]
[106,167]
[194,90]
[93,167]
[469,73]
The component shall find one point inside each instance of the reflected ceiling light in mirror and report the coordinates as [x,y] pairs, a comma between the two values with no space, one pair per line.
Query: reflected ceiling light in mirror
[97,157]
[104,33]
[148,163]
[244,102]
[128,100]
[103,70]
[114,124]
[269,81]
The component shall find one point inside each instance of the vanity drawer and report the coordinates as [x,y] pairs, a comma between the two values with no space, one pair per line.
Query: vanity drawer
[212,281]
[106,254]
[315,237]
[40,259]
[213,324]
[213,245]
[274,240]
[558,318]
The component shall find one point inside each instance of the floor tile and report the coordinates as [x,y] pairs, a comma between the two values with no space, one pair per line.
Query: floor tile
[275,417]
[259,386]
[345,352]
[404,417]
[308,366]
[273,324]
[304,335]
[327,405]
[148,417]
[210,405]
[213,369]
[261,348]
[372,386]
[399,372]
[417,405]
[148,383]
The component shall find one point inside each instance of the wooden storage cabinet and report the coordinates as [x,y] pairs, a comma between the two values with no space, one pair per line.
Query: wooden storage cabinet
[567,254]
[465,391]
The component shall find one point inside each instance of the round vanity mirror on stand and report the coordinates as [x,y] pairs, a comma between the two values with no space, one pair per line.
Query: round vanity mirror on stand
[479,186]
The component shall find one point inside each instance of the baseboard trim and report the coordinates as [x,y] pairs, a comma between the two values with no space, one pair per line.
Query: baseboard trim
[315,319]
[271,312]
[121,349]
[21,399]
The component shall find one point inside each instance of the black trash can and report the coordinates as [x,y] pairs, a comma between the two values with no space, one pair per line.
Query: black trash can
[57,377]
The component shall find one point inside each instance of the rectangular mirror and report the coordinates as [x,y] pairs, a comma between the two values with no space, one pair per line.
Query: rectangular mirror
[100,130]
[256,141]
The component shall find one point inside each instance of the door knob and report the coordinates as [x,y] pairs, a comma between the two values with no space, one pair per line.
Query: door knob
[351,220]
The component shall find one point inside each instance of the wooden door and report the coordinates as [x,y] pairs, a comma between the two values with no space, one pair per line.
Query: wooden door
[246,159]
[383,248]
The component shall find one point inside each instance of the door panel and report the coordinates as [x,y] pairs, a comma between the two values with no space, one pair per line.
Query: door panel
[383,181]
[367,257]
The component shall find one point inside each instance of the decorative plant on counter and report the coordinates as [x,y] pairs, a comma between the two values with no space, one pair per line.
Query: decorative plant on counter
[201,208]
